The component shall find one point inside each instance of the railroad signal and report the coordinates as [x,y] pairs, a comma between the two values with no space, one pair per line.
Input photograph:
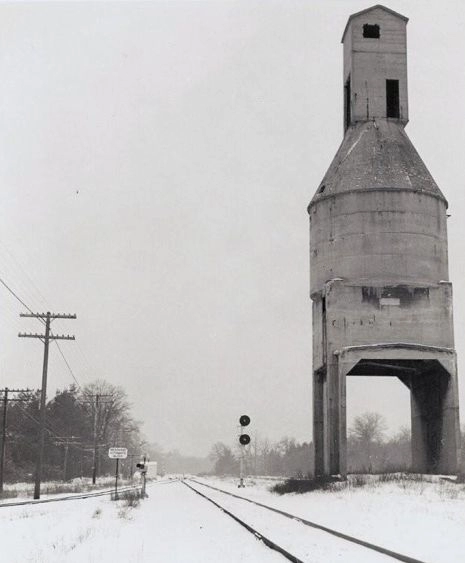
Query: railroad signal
[143,471]
[244,439]
[244,420]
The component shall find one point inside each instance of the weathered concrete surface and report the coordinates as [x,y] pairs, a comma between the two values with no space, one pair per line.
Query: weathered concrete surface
[382,303]
[369,62]
[377,154]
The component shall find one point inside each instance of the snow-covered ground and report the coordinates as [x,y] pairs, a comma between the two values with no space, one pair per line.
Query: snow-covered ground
[425,520]
[16,492]
[173,525]
[420,519]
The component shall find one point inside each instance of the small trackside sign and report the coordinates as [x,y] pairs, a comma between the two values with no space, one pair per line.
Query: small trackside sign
[118,453]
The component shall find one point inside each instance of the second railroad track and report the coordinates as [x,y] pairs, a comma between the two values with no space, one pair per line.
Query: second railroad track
[296,538]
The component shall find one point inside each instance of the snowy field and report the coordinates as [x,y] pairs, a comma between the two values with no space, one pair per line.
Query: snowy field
[16,492]
[421,519]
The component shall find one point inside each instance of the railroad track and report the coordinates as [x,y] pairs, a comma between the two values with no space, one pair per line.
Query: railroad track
[83,495]
[351,540]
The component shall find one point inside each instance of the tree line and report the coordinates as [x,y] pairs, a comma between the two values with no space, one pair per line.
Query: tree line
[287,457]
[78,421]
[369,450]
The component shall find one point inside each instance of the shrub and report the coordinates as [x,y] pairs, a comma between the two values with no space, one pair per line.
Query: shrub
[304,485]
[8,494]
[131,498]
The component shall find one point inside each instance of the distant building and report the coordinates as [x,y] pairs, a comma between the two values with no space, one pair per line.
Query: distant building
[382,302]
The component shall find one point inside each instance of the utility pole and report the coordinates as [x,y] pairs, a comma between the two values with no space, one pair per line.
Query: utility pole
[45,338]
[5,406]
[98,401]
[94,461]
[66,442]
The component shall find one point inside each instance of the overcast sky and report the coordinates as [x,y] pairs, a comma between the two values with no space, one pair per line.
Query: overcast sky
[156,162]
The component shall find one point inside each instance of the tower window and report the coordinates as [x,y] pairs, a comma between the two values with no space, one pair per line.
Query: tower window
[392,98]
[347,112]
[371,31]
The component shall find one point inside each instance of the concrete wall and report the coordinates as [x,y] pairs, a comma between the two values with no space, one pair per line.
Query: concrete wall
[360,315]
[378,234]
[369,62]
[354,322]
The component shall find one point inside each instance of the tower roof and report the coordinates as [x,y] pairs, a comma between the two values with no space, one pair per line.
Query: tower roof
[376,155]
[376,6]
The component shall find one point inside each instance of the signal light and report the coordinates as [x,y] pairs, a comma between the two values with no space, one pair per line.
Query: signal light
[244,420]
[244,439]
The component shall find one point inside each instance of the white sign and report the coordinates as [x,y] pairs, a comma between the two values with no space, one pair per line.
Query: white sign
[118,453]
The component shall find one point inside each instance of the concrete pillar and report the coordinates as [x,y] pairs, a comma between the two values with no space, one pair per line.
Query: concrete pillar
[342,422]
[435,425]
[334,417]
[418,439]
[319,377]
[451,454]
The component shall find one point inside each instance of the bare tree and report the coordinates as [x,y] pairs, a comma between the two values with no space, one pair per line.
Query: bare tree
[114,424]
[368,432]
[369,427]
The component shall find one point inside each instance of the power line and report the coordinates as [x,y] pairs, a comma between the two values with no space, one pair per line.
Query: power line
[67,365]
[22,269]
[29,287]
[53,433]
[15,296]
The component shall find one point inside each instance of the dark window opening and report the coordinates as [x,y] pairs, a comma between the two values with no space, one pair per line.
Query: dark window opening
[402,295]
[371,31]
[392,98]
[324,333]
[347,116]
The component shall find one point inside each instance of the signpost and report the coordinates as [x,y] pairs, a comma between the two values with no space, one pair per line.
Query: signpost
[117,453]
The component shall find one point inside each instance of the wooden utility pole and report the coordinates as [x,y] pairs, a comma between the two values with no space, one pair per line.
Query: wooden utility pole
[5,406]
[45,338]
[66,442]
[94,460]
[95,404]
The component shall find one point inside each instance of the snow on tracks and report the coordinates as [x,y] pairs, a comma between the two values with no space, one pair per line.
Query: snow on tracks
[314,546]
[264,539]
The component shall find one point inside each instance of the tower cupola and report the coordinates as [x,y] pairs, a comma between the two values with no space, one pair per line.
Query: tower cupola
[375,66]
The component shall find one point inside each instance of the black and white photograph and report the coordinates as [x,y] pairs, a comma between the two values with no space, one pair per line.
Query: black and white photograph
[232,306]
